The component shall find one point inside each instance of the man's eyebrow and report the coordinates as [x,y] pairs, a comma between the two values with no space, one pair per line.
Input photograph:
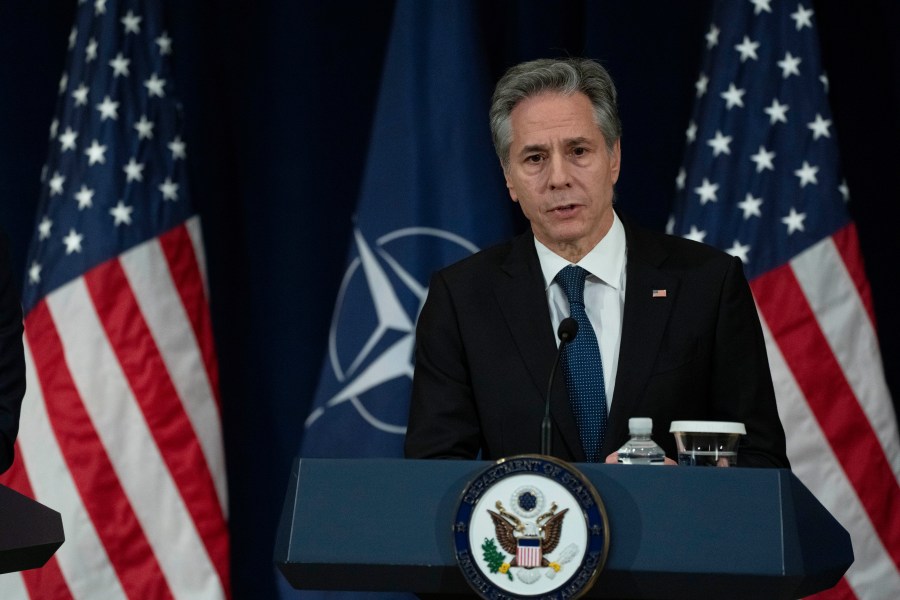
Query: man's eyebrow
[533,148]
[578,141]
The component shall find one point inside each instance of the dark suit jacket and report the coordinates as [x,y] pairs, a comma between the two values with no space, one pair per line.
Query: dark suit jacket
[12,360]
[485,347]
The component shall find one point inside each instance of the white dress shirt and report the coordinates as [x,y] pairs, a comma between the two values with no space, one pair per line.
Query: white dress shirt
[604,295]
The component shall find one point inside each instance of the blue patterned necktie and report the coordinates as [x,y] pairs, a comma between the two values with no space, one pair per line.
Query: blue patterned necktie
[583,367]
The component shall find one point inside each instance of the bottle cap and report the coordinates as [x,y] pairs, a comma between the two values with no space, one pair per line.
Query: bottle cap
[640,425]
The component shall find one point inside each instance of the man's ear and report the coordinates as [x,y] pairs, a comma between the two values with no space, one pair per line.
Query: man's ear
[615,160]
[509,184]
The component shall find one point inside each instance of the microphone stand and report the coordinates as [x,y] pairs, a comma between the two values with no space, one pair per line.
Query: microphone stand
[568,329]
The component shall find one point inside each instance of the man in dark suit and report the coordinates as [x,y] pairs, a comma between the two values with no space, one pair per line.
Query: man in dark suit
[12,360]
[673,320]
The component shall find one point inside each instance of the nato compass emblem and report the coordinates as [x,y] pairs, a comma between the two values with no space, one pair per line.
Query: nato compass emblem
[531,526]
[372,335]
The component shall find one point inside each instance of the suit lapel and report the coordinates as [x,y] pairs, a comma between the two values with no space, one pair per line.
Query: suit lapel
[523,302]
[643,324]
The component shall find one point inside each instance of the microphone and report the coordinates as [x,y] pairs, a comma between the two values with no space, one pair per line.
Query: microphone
[568,329]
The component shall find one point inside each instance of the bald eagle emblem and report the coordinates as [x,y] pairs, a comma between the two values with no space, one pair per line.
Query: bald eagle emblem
[529,541]
[530,527]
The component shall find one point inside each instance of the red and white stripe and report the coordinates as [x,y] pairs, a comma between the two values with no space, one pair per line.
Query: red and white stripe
[835,405]
[530,555]
[121,430]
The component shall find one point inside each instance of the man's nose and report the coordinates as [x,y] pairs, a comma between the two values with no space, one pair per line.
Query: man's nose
[558,176]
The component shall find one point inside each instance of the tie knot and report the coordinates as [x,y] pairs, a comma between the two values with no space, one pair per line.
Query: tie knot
[571,279]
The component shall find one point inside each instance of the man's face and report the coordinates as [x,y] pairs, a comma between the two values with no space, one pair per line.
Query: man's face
[561,173]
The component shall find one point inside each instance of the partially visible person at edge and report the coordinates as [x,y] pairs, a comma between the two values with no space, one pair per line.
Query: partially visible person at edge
[678,332]
[12,359]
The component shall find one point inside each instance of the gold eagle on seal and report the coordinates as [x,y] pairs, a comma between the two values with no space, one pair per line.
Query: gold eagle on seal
[510,529]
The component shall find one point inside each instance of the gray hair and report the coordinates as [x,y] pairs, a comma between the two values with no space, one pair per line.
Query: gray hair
[564,76]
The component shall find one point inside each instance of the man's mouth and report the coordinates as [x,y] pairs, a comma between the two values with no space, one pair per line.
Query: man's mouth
[564,209]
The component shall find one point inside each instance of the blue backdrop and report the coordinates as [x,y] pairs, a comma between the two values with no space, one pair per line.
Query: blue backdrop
[280,97]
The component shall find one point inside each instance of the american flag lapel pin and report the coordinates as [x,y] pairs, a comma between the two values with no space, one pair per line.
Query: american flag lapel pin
[658,294]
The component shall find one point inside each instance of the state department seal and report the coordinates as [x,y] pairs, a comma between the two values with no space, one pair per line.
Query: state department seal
[531,526]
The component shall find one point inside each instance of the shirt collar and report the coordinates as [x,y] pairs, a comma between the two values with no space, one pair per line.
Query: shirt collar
[605,261]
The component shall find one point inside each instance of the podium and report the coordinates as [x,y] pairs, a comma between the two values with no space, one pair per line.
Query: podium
[675,532]
[29,532]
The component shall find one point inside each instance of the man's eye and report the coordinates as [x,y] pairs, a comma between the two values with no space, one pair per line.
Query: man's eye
[579,151]
[534,158]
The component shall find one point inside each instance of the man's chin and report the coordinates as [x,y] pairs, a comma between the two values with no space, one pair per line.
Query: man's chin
[562,239]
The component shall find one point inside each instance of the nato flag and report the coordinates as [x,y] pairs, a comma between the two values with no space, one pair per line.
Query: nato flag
[432,194]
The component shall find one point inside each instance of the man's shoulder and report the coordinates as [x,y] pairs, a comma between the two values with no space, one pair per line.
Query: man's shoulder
[671,251]
[488,260]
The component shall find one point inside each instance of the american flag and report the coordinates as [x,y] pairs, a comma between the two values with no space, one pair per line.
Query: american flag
[762,181]
[121,424]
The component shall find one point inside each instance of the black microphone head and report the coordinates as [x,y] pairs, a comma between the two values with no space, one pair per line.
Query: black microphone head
[568,329]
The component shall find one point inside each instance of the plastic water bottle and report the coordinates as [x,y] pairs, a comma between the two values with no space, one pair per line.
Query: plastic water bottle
[640,449]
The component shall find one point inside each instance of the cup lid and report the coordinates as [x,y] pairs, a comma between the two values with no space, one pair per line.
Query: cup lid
[707,427]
